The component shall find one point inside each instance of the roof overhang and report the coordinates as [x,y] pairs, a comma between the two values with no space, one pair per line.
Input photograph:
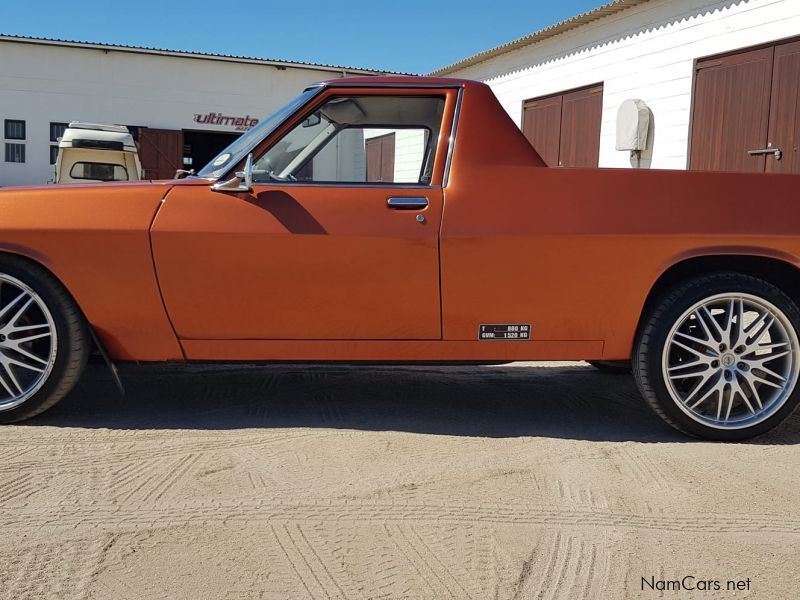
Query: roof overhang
[281,64]
[600,12]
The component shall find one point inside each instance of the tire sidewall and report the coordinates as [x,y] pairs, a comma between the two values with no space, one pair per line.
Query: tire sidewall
[44,287]
[671,309]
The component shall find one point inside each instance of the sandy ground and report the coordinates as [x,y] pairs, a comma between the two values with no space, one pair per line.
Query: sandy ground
[525,481]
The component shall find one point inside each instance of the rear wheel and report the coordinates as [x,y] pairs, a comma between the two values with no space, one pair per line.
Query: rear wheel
[719,357]
[44,340]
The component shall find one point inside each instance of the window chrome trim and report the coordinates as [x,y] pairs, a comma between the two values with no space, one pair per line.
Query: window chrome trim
[342,184]
[323,85]
[452,144]
[245,151]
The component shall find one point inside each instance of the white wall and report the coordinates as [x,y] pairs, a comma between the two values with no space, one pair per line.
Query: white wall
[42,83]
[645,52]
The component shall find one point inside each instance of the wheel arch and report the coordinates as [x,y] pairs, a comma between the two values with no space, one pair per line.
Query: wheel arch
[781,270]
[97,344]
[41,261]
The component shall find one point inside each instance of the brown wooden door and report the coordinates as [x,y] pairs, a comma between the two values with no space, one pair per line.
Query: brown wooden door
[160,152]
[380,158]
[565,128]
[581,115]
[731,111]
[784,112]
[541,124]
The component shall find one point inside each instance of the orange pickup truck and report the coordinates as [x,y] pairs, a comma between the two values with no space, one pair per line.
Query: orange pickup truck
[407,219]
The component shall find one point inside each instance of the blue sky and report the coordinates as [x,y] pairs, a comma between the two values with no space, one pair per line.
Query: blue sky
[410,35]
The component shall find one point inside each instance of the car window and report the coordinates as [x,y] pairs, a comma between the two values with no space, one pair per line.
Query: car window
[358,139]
[98,171]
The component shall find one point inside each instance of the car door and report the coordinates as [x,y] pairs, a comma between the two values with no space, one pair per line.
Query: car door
[324,253]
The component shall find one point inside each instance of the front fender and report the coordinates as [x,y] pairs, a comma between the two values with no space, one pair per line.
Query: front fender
[96,241]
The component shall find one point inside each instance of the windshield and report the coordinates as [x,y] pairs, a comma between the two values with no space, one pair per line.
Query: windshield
[244,144]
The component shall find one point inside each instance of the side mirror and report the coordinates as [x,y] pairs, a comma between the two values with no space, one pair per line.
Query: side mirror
[242,181]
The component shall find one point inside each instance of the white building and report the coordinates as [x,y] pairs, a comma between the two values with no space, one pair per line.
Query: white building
[183,107]
[721,78]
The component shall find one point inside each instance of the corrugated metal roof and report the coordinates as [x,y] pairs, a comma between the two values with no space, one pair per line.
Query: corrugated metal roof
[605,10]
[189,54]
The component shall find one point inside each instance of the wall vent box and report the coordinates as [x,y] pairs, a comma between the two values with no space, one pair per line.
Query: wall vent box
[633,125]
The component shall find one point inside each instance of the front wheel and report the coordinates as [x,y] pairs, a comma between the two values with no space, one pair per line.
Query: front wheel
[44,340]
[718,356]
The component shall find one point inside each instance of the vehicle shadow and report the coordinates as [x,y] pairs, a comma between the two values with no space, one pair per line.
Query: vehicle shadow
[570,402]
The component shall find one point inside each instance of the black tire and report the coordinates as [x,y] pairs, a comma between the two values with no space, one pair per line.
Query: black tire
[652,337]
[612,367]
[73,343]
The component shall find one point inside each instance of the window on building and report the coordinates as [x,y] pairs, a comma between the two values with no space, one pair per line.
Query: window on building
[15,153]
[564,128]
[14,129]
[57,130]
[53,154]
[359,139]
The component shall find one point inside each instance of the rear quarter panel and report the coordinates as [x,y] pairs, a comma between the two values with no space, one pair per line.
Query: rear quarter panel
[575,252]
[95,239]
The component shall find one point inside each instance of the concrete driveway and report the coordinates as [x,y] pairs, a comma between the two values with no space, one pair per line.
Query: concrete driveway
[523,481]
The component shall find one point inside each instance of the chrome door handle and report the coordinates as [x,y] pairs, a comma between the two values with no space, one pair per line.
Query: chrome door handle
[776,151]
[407,203]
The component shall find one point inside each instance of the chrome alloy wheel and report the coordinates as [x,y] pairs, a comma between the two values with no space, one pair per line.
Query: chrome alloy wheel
[731,361]
[28,342]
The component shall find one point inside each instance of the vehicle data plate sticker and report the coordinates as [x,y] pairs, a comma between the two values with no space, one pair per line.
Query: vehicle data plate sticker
[505,331]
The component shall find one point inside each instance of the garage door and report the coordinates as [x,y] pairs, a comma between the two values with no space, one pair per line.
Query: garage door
[160,152]
[380,158]
[745,115]
[565,128]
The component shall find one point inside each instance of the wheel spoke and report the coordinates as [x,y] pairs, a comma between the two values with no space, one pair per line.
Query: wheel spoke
[702,355]
[738,389]
[27,328]
[773,346]
[29,355]
[699,386]
[699,318]
[712,389]
[753,392]
[20,312]
[695,340]
[12,304]
[766,323]
[689,375]
[686,365]
[759,359]
[770,372]
[720,400]
[19,363]
[717,330]
[766,382]
[727,336]
[5,385]
[731,396]
[30,338]
[6,364]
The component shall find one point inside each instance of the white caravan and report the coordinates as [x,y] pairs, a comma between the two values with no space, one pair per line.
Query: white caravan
[91,152]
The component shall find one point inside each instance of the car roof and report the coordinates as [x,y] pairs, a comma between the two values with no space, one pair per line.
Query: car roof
[402,80]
